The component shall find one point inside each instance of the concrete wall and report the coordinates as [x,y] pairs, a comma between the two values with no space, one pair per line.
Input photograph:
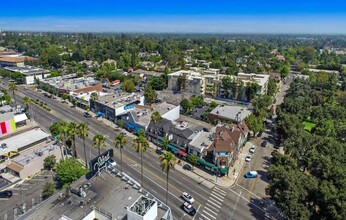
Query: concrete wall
[95,215]
[173,114]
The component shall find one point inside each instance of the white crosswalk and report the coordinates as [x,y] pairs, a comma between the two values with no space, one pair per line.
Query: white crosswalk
[211,209]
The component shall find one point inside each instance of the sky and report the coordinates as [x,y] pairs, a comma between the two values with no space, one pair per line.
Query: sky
[182,16]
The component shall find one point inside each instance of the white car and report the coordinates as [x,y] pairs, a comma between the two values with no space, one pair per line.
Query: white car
[248,158]
[187,197]
[252,149]
[111,163]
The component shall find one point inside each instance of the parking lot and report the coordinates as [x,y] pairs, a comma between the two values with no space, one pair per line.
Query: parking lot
[26,195]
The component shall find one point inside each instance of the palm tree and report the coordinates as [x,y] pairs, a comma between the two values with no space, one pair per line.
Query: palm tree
[63,134]
[26,102]
[83,132]
[99,142]
[156,117]
[168,161]
[12,88]
[140,145]
[94,96]
[120,142]
[72,130]
[165,142]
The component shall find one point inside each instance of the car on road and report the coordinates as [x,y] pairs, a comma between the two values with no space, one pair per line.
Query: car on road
[251,174]
[189,209]
[86,114]
[252,149]
[123,133]
[187,197]
[111,163]
[260,134]
[264,143]
[187,167]
[205,129]
[248,158]
[6,194]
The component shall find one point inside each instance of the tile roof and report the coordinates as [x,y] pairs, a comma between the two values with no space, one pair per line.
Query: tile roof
[15,59]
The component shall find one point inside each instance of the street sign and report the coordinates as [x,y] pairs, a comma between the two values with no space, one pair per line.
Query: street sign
[99,162]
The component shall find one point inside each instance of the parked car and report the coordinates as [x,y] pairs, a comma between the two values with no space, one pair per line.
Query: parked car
[189,209]
[206,129]
[6,194]
[264,143]
[86,114]
[187,167]
[260,134]
[248,158]
[187,197]
[111,163]
[252,149]
[251,174]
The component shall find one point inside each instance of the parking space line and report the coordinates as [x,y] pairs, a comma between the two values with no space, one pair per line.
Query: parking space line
[196,212]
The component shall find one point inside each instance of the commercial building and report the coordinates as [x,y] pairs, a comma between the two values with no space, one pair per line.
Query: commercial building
[140,117]
[30,73]
[13,61]
[114,195]
[10,119]
[201,81]
[113,105]
[226,113]
[200,143]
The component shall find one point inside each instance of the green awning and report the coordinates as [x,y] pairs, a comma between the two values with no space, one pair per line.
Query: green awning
[173,148]
[206,164]
[223,170]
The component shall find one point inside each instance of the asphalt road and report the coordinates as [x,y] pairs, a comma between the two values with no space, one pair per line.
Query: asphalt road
[214,203]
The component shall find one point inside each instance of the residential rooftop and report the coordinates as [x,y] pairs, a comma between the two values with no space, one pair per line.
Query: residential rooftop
[261,79]
[234,113]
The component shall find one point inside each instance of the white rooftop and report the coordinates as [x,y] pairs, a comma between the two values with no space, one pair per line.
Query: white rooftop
[201,140]
[231,112]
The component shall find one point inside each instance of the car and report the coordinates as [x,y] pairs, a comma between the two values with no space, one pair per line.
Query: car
[260,134]
[187,167]
[123,133]
[189,209]
[187,197]
[252,149]
[251,174]
[111,163]
[6,194]
[86,114]
[248,158]
[206,129]
[264,143]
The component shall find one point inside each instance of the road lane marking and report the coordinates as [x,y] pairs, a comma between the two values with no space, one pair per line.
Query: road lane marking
[196,212]
[219,194]
[219,190]
[207,213]
[213,200]
[205,217]
[209,210]
[211,205]
[248,191]
[216,197]
[251,188]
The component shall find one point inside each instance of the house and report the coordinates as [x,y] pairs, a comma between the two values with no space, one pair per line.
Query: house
[280,57]
[13,61]
[228,141]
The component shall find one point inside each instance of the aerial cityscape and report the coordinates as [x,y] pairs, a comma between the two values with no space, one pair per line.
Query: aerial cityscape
[173,110]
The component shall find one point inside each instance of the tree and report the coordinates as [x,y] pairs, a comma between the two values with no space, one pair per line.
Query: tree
[272,87]
[181,82]
[140,144]
[48,190]
[68,171]
[94,96]
[156,117]
[54,129]
[99,142]
[149,95]
[254,123]
[284,71]
[83,132]
[192,159]
[72,131]
[128,86]
[49,162]
[26,102]
[213,104]
[119,142]
[167,162]
[185,105]
[74,102]
[63,130]
[165,142]
[12,88]
[120,123]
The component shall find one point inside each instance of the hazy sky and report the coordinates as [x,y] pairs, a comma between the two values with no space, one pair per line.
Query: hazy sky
[223,16]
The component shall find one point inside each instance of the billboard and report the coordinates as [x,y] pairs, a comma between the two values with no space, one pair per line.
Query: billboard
[99,162]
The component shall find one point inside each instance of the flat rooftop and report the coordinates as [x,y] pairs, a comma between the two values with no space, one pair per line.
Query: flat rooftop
[261,79]
[21,140]
[109,192]
[231,112]
[27,70]
[202,139]
[26,158]
[119,98]
[143,115]
[71,83]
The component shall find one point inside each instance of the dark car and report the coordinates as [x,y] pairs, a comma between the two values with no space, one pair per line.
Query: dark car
[187,167]
[206,129]
[6,194]
[264,143]
[189,208]
[86,114]
[260,134]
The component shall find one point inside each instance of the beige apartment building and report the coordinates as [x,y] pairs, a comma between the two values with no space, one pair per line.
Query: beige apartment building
[207,81]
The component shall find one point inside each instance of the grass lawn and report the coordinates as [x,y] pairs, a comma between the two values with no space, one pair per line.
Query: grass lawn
[308,126]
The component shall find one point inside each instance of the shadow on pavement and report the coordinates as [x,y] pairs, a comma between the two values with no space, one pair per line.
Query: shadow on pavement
[263,175]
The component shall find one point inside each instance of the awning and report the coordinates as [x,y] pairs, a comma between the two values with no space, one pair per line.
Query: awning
[173,148]
[20,118]
[206,164]
[223,170]
[182,153]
